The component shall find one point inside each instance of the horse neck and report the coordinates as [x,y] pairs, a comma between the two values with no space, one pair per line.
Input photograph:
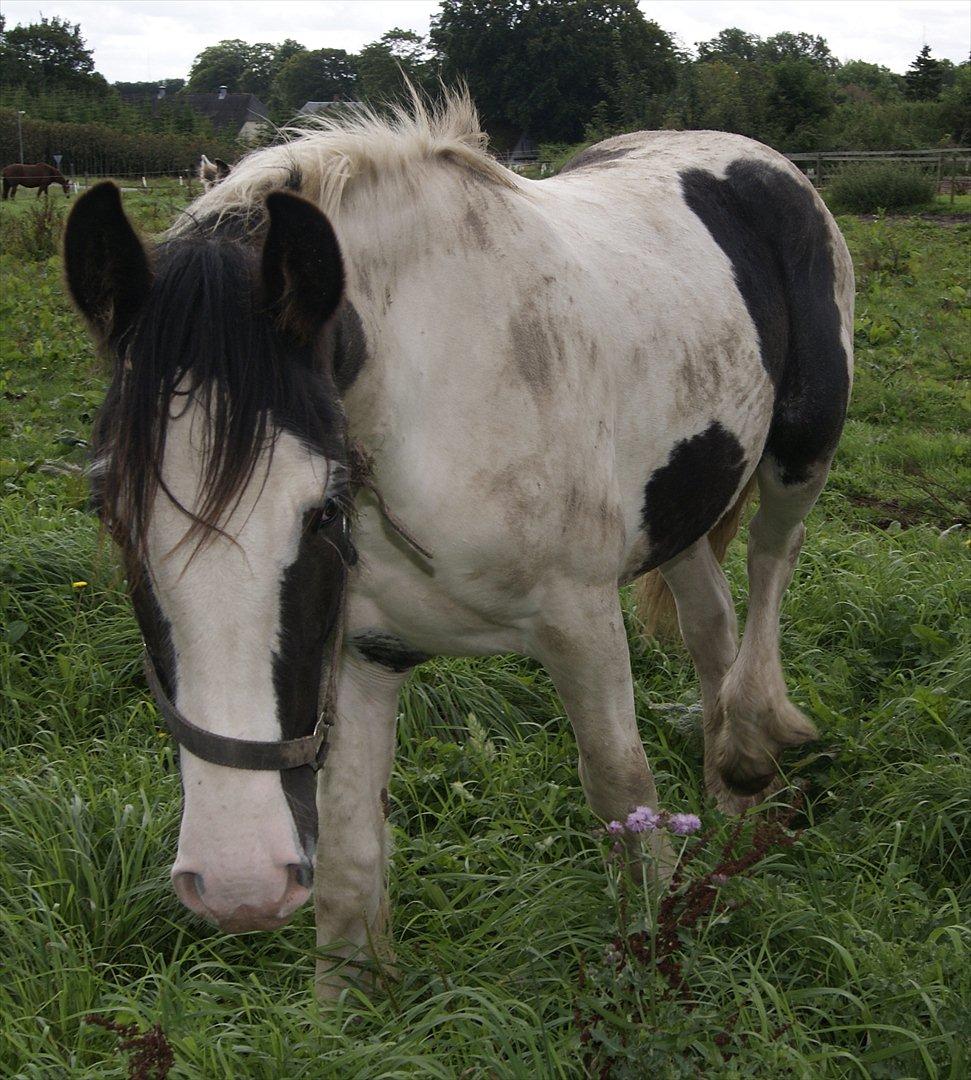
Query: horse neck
[385,237]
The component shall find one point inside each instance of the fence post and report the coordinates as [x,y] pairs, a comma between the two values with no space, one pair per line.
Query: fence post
[819,172]
[940,170]
[954,174]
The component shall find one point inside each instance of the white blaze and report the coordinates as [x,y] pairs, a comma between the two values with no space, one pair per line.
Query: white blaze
[222,603]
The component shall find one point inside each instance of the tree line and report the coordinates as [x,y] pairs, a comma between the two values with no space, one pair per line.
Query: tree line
[559,70]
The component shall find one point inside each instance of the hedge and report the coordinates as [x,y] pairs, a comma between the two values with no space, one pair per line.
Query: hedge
[98,150]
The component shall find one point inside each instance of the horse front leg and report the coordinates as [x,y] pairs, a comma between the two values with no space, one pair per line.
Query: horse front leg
[583,646]
[350,875]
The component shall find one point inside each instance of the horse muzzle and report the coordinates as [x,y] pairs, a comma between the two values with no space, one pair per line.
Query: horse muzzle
[236,908]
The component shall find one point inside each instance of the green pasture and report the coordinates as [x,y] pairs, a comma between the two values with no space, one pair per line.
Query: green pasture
[844,955]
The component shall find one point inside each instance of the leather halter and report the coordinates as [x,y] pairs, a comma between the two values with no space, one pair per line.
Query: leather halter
[273,756]
[283,754]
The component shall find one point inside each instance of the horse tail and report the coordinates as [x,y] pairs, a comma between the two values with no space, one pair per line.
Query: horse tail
[652,597]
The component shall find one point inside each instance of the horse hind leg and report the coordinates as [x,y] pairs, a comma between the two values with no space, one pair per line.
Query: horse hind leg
[753,720]
[706,618]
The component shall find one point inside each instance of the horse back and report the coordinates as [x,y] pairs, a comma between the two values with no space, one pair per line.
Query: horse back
[749,312]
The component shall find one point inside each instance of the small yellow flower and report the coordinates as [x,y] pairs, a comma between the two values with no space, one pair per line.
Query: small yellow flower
[79,584]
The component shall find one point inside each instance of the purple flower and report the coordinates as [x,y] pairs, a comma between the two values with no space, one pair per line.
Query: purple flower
[640,819]
[615,827]
[683,824]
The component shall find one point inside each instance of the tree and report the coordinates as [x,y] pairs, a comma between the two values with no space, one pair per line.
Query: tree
[808,47]
[320,75]
[148,88]
[800,99]
[547,66]
[48,55]
[956,105]
[265,62]
[380,65]
[730,45]
[222,64]
[869,82]
[924,77]
[722,95]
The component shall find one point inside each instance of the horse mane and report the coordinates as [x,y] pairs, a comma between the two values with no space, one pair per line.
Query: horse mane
[204,332]
[324,158]
[204,335]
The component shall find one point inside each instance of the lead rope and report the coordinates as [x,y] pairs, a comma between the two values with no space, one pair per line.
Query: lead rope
[327,715]
[361,469]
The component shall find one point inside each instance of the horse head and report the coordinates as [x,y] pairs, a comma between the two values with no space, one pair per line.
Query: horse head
[213,172]
[219,470]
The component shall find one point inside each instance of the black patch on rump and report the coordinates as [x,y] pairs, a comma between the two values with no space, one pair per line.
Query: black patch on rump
[685,498]
[310,600]
[780,245]
[387,650]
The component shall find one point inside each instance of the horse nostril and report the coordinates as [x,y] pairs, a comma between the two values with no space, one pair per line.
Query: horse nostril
[189,888]
[302,874]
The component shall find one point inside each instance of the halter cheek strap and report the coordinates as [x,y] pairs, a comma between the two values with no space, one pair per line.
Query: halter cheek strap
[284,754]
[238,753]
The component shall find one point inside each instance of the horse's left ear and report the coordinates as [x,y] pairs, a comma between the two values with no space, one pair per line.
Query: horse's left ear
[107,268]
[303,274]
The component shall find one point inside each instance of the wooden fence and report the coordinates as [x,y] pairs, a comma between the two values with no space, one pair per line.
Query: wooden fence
[951,168]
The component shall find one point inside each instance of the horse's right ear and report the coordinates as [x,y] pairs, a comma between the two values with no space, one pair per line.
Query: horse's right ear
[107,268]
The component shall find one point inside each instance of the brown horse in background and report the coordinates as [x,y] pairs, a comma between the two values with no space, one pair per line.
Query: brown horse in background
[40,176]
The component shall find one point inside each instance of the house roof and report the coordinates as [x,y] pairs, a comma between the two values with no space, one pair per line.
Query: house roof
[229,112]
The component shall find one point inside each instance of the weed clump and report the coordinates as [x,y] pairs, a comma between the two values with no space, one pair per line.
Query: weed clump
[35,235]
[880,185]
[628,997]
[151,1055]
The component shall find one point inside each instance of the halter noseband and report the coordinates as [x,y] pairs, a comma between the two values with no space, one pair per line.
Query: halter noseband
[238,753]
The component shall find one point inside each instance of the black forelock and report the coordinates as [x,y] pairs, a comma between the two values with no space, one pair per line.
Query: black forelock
[205,329]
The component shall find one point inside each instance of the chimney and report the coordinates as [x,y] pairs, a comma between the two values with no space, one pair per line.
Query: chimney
[161,91]
[222,92]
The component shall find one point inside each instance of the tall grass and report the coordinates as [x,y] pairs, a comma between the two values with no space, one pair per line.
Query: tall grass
[35,234]
[843,955]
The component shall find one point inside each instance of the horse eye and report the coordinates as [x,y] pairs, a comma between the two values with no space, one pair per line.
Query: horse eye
[326,515]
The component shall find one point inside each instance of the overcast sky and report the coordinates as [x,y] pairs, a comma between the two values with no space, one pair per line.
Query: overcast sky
[153,39]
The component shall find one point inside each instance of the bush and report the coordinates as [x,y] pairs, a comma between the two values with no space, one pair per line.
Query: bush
[882,185]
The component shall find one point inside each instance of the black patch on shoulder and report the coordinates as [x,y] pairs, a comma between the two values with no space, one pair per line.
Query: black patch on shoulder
[350,346]
[595,155]
[779,242]
[387,650]
[309,604]
[686,497]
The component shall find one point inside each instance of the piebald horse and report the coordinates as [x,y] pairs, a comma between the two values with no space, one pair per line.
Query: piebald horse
[560,386]
[212,172]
